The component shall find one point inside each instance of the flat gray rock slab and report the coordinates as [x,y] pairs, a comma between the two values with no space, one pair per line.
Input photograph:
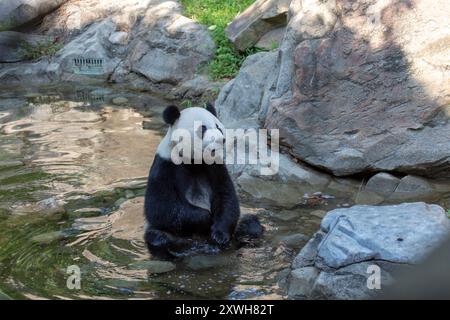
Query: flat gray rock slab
[399,233]
[336,262]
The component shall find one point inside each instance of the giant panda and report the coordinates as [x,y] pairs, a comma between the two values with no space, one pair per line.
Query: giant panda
[189,200]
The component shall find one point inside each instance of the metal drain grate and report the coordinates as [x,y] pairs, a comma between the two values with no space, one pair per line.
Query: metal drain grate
[90,66]
[85,96]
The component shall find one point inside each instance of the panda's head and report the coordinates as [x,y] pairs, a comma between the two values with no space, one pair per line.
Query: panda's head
[195,135]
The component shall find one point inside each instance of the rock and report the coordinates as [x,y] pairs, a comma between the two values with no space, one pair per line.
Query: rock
[15,13]
[202,262]
[168,47]
[238,109]
[318,213]
[196,89]
[368,197]
[146,45]
[120,201]
[153,266]
[73,17]
[331,101]
[129,194]
[12,44]
[414,185]
[49,237]
[308,254]
[293,240]
[351,240]
[282,278]
[348,283]
[50,206]
[235,104]
[284,188]
[258,19]
[120,101]
[382,183]
[287,215]
[119,37]
[272,39]
[406,232]
[89,45]
[301,282]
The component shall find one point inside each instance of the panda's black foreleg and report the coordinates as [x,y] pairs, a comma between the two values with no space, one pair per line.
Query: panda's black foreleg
[163,244]
[225,206]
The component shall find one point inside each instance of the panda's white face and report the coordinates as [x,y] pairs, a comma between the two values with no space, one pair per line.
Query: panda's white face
[206,132]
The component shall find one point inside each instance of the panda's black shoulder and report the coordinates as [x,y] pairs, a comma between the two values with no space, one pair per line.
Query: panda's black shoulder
[162,168]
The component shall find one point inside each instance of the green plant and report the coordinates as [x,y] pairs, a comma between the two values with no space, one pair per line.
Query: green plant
[216,14]
[273,45]
[33,51]
[186,103]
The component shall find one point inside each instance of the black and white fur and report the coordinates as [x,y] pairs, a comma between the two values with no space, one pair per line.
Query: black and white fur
[189,200]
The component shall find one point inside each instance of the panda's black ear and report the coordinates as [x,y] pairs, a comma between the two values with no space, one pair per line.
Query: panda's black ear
[211,108]
[171,114]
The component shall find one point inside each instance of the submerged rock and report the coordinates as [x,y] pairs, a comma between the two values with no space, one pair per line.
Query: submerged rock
[293,240]
[47,206]
[284,188]
[353,239]
[120,101]
[154,266]
[49,237]
[202,262]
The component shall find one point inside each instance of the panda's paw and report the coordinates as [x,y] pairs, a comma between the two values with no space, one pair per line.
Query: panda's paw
[220,237]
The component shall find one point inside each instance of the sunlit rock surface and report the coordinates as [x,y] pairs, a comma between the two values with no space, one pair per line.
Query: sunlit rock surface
[147,45]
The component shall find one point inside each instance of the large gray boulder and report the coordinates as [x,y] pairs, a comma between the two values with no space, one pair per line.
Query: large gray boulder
[244,100]
[168,47]
[363,86]
[335,262]
[260,18]
[239,106]
[15,13]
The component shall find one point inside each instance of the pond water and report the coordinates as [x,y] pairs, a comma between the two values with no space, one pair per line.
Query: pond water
[73,169]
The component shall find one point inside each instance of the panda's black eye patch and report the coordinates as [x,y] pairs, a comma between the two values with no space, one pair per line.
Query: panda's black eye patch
[217,126]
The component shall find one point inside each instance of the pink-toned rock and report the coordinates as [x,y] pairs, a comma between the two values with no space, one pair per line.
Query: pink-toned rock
[364,85]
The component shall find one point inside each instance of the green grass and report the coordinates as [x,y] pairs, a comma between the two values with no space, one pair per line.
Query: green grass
[216,14]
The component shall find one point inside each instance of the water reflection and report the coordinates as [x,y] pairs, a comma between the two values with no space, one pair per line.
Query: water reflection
[73,169]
